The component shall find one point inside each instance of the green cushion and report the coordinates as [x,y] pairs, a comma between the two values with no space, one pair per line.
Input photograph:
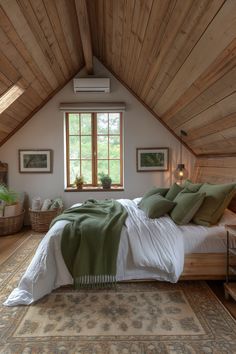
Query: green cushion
[218,197]
[188,204]
[173,191]
[155,190]
[193,187]
[155,206]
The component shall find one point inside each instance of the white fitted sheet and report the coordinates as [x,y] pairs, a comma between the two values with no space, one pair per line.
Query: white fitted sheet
[202,239]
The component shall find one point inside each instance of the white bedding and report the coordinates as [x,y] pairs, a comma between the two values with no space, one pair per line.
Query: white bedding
[202,239]
[147,250]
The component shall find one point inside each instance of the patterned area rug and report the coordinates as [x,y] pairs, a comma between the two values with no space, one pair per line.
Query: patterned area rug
[137,318]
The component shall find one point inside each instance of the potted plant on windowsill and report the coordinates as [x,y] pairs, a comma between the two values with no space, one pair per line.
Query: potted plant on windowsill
[79,181]
[10,201]
[105,180]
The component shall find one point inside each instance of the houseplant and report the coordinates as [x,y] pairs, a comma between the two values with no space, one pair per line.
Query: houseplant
[10,201]
[79,181]
[105,180]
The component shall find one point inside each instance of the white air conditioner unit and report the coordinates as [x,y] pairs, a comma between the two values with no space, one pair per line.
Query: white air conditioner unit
[92,85]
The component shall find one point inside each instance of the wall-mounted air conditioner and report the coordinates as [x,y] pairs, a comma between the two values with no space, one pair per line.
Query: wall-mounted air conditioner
[92,85]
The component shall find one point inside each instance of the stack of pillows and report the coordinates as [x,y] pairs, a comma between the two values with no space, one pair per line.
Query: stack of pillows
[201,203]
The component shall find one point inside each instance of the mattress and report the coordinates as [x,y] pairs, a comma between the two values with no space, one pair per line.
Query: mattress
[202,239]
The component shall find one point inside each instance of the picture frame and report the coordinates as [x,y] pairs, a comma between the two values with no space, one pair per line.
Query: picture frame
[35,161]
[4,173]
[152,159]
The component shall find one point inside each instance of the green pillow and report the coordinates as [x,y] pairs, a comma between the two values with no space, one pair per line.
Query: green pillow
[188,204]
[193,187]
[156,190]
[173,191]
[155,206]
[218,197]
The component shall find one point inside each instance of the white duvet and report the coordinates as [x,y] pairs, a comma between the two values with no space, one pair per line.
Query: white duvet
[149,248]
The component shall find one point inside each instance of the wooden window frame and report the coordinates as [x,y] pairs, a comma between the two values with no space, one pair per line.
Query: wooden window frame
[94,185]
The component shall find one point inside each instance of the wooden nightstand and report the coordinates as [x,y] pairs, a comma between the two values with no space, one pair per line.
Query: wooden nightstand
[230,286]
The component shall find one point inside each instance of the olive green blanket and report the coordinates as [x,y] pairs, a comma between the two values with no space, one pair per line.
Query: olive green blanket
[90,241]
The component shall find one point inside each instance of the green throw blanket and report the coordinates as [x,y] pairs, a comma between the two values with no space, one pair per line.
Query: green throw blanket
[90,241]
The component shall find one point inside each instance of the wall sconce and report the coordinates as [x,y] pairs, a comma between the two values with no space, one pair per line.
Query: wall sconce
[181,172]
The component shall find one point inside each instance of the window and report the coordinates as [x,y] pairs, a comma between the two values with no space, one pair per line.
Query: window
[94,146]
[10,96]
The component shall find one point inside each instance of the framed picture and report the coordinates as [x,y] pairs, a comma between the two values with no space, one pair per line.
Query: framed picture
[3,173]
[152,159]
[35,161]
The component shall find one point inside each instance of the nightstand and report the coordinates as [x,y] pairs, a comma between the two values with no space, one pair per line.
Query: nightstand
[230,285]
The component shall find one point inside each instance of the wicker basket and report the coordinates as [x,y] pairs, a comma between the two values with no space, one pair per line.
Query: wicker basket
[11,224]
[41,220]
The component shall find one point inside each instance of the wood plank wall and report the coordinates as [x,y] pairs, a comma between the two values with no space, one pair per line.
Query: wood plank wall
[216,170]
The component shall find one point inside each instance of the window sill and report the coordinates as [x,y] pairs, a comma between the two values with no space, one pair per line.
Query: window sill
[94,189]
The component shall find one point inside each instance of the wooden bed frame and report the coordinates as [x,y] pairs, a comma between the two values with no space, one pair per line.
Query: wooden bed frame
[210,266]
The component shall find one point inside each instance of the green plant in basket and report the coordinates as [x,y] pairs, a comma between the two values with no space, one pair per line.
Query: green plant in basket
[8,196]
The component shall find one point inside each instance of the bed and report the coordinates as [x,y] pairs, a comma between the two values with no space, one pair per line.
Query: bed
[186,252]
[212,265]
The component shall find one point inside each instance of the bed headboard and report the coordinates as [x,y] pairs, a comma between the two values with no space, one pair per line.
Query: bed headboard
[217,169]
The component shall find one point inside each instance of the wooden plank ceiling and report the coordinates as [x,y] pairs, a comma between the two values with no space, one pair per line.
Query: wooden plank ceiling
[177,56]
[40,50]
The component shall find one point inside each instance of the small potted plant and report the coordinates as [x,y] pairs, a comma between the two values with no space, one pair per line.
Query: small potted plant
[10,201]
[79,181]
[105,180]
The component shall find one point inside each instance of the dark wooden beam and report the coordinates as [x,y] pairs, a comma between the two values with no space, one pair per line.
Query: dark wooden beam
[85,33]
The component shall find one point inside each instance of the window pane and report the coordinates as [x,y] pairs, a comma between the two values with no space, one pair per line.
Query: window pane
[74,170]
[86,123]
[73,124]
[102,147]
[81,141]
[114,147]
[102,123]
[86,170]
[115,171]
[74,147]
[86,147]
[102,168]
[114,123]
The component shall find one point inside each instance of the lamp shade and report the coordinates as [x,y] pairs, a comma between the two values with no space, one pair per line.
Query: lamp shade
[181,173]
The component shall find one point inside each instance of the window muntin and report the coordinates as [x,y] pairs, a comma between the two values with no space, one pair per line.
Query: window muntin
[94,145]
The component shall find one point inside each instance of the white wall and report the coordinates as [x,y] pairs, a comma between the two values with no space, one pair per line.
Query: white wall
[45,131]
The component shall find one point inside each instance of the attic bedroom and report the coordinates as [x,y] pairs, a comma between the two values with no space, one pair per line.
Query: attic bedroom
[118,176]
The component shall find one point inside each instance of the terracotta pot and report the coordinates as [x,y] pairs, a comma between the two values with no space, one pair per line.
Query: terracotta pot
[106,185]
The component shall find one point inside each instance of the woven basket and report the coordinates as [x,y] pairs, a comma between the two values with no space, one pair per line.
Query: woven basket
[41,220]
[11,224]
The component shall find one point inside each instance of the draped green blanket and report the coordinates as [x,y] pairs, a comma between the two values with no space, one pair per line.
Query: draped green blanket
[90,241]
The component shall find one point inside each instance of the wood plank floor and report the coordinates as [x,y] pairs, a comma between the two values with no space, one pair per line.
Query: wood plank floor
[8,244]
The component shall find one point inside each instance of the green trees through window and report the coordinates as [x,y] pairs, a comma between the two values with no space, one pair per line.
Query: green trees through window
[94,145]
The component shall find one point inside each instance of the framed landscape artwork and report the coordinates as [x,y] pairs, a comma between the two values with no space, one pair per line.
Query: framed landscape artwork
[35,161]
[152,159]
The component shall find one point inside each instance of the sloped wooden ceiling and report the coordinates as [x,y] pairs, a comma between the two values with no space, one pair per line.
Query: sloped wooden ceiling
[40,51]
[177,56]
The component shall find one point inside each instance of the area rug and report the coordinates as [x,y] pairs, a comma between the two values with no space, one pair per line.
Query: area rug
[137,318]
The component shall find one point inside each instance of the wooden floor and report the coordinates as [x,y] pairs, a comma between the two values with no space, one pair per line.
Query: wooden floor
[8,244]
